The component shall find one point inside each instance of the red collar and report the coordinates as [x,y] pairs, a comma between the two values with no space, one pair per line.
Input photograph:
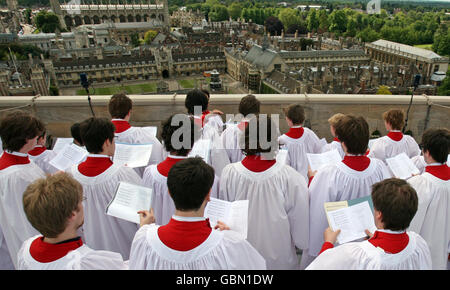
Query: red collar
[295,133]
[94,166]
[38,150]
[256,164]
[336,139]
[242,125]
[358,163]
[45,252]
[121,125]
[184,236]
[9,159]
[440,171]
[390,243]
[165,166]
[396,136]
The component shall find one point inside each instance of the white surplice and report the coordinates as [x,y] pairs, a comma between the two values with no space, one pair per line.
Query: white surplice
[13,222]
[419,162]
[297,149]
[231,137]
[278,213]
[432,220]
[385,147]
[334,145]
[43,161]
[365,256]
[222,250]
[336,182]
[82,258]
[218,157]
[101,231]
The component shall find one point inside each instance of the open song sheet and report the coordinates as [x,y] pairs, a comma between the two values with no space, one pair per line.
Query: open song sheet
[316,161]
[401,166]
[68,156]
[61,143]
[132,155]
[234,214]
[128,200]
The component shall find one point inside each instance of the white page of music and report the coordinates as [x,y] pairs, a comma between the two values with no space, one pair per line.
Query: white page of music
[234,214]
[70,155]
[401,166]
[132,155]
[61,143]
[128,200]
[352,221]
[316,161]
[202,149]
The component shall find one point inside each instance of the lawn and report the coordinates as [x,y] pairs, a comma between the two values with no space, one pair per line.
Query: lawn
[425,46]
[129,89]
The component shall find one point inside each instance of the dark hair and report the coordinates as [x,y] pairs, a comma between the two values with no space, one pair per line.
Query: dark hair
[119,106]
[397,201]
[206,92]
[253,138]
[249,105]
[354,132]
[94,132]
[75,132]
[196,98]
[295,113]
[189,182]
[17,128]
[437,143]
[168,130]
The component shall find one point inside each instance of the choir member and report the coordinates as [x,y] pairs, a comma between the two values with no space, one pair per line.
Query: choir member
[335,144]
[42,156]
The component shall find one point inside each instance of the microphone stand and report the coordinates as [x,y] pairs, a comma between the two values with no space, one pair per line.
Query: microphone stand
[407,112]
[89,100]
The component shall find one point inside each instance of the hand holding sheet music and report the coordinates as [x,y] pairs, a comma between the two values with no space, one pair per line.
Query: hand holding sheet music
[401,166]
[132,155]
[234,214]
[128,200]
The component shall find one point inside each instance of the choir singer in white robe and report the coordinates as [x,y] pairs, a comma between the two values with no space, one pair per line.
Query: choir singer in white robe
[187,242]
[278,214]
[432,220]
[100,179]
[335,144]
[19,132]
[53,205]
[349,179]
[391,247]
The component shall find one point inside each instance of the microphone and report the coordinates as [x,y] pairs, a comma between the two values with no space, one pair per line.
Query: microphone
[417,80]
[85,84]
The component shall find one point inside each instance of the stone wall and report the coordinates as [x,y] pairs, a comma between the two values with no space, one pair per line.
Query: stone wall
[60,112]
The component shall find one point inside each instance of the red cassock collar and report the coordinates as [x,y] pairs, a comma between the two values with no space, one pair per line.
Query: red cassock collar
[396,136]
[390,243]
[336,139]
[94,166]
[242,125]
[184,236]
[121,125]
[440,171]
[358,163]
[165,166]
[8,159]
[295,133]
[38,150]
[256,164]
[45,252]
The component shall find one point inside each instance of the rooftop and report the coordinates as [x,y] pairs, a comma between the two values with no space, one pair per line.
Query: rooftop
[407,49]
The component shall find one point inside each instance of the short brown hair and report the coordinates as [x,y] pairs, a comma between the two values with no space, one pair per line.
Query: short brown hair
[249,105]
[437,143]
[354,132]
[119,106]
[49,202]
[395,118]
[295,113]
[397,201]
[253,140]
[333,120]
[17,128]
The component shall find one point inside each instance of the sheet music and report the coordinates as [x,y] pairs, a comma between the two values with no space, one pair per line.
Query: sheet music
[69,155]
[128,200]
[234,214]
[132,155]
[401,166]
[202,149]
[61,143]
[352,221]
[316,161]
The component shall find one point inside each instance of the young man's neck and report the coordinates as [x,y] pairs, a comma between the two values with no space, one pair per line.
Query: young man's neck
[66,235]
[198,213]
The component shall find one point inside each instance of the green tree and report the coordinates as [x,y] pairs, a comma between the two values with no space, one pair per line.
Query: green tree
[289,17]
[444,88]
[383,90]
[149,36]
[47,22]
[218,13]
[338,21]
[313,20]
[235,10]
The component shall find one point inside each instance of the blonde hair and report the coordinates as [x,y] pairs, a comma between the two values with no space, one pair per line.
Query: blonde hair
[395,118]
[333,120]
[49,202]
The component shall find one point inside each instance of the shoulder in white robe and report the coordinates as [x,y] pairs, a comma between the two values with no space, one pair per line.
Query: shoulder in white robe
[278,214]
[230,141]
[224,250]
[385,147]
[338,182]
[432,220]
[82,258]
[14,224]
[365,256]
[101,231]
